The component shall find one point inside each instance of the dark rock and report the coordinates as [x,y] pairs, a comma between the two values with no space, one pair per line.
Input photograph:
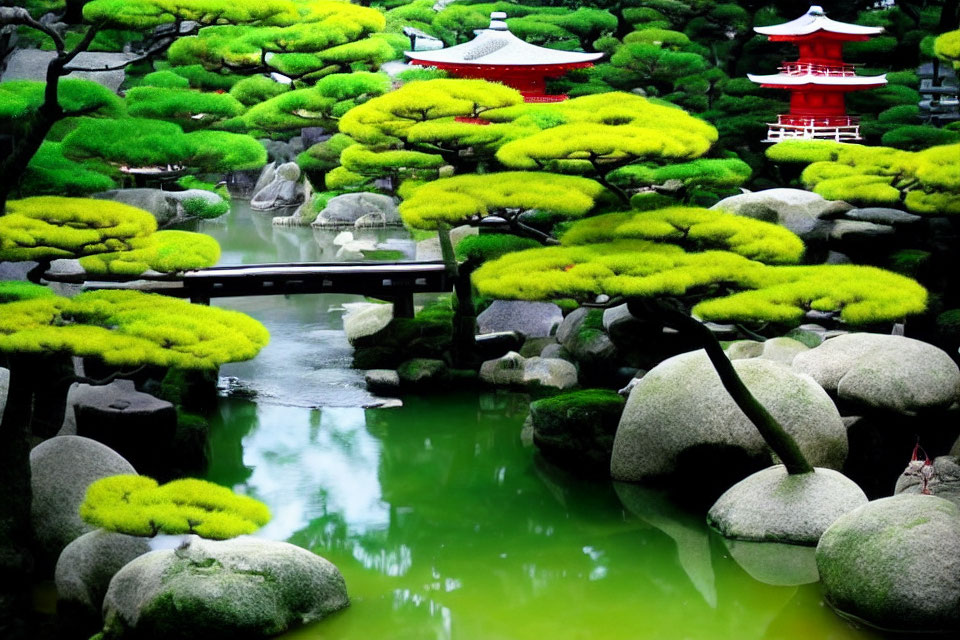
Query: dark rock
[883,215]
[84,571]
[423,373]
[382,381]
[313,135]
[494,345]
[535,346]
[532,319]
[576,430]
[128,421]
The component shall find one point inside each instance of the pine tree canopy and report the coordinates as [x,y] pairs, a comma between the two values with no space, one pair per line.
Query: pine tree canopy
[139,506]
[130,329]
[924,182]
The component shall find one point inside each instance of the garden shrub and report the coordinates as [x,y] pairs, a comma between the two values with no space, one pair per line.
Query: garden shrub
[137,505]
[489,246]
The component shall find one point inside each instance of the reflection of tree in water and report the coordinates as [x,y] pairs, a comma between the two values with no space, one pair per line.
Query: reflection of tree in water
[446,527]
[229,425]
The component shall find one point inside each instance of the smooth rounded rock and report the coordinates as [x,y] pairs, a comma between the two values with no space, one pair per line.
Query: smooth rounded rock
[240,588]
[61,470]
[895,563]
[774,506]
[532,319]
[364,320]
[85,569]
[884,372]
[679,415]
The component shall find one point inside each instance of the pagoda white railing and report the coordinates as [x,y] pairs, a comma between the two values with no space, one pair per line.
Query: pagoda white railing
[791,127]
[842,70]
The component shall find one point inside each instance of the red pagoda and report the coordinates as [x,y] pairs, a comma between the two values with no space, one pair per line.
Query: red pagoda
[818,79]
[499,56]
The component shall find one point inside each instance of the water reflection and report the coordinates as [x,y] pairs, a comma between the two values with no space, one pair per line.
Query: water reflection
[446,527]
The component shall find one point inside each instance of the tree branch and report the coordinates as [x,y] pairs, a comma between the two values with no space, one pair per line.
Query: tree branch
[19,15]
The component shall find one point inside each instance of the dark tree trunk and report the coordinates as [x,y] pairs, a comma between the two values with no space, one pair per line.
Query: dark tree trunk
[773,433]
[53,375]
[15,530]
[13,166]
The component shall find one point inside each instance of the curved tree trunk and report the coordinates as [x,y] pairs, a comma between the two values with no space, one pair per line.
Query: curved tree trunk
[773,433]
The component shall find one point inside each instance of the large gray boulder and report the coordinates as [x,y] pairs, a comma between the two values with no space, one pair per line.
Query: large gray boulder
[31,64]
[782,350]
[240,588]
[61,470]
[679,412]
[359,210]
[283,190]
[884,372]
[429,249]
[85,569]
[532,319]
[805,213]
[895,562]
[166,206]
[774,506]
[517,371]
[364,320]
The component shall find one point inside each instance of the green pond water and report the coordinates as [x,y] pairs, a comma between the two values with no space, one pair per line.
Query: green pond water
[446,526]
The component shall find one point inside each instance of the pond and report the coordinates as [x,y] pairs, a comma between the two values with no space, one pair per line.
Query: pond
[447,526]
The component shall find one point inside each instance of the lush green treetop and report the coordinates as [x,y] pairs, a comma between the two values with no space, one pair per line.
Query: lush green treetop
[640,268]
[145,14]
[694,229]
[138,506]
[947,46]
[49,227]
[458,199]
[21,98]
[925,182]
[130,329]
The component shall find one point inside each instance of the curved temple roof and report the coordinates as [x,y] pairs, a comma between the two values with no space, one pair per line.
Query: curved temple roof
[816,20]
[497,46]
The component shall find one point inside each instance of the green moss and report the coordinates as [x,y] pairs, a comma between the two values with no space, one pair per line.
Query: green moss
[13,290]
[201,208]
[489,246]
[577,429]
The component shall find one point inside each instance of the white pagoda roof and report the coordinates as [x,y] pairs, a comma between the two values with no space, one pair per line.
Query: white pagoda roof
[822,80]
[497,46]
[816,20]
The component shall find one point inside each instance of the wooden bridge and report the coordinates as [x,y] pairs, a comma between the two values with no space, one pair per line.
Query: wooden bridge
[395,281]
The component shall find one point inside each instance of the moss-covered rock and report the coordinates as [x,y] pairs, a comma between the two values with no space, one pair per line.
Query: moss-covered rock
[894,563]
[242,588]
[423,374]
[576,430]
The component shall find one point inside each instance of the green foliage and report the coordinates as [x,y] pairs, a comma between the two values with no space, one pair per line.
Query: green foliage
[577,404]
[166,79]
[639,268]
[144,142]
[19,99]
[201,78]
[917,137]
[145,14]
[193,182]
[201,208]
[713,172]
[695,230]
[947,46]
[925,182]
[49,227]
[453,200]
[189,108]
[131,142]
[163,251]
[14,290]
[138,506]
[217,151]
[50,173]
[320,105]
[490,246]
[130,328]
[416,74]
[257,89]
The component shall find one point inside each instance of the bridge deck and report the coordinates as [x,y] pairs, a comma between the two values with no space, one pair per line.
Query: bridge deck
[396,281]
